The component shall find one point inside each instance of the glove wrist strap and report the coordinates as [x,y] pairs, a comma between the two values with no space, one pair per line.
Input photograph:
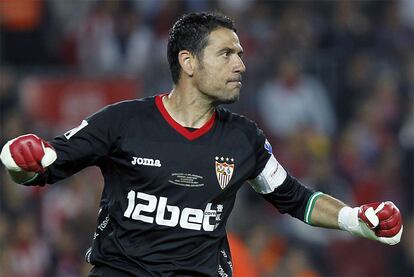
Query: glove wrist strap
[348,218]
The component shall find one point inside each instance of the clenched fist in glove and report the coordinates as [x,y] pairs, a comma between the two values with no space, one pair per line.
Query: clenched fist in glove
[27,153]
[376,221]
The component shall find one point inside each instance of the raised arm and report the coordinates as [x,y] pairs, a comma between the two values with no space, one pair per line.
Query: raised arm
[379,221]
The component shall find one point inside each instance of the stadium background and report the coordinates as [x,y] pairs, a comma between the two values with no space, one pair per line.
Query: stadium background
[330,82]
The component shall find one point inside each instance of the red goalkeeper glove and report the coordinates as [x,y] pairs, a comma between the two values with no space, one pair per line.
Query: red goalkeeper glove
[376,221]
[27,153]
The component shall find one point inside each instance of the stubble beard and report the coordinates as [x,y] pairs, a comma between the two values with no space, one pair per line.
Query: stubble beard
[231,100]
[219,98]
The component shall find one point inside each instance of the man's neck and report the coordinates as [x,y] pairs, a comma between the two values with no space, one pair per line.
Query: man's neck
[188,108]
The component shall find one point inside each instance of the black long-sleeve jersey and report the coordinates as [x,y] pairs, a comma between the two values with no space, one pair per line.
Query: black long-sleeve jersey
[168,190]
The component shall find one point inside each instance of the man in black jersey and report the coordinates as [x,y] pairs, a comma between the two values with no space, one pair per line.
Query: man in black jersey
[173,163]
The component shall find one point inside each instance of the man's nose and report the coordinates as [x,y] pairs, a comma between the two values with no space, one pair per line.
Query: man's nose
[239,66]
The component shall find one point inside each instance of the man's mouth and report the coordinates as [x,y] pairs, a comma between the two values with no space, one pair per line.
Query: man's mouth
[235,80]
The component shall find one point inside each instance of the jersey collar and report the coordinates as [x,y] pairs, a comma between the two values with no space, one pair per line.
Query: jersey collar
[190,135]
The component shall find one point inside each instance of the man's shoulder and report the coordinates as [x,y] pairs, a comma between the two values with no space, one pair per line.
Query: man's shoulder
[237,121]
[127,107]
[133,103]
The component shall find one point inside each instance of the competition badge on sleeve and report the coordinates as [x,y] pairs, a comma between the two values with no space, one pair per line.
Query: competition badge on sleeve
[268,147]
[224,170]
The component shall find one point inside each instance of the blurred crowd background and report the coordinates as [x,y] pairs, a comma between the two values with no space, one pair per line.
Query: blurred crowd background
[331,83]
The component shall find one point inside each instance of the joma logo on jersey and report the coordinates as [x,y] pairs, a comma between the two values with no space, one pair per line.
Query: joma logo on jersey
[150,209]
[145,161]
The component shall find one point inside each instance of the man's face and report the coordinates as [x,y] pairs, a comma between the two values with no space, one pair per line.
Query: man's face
[219,70]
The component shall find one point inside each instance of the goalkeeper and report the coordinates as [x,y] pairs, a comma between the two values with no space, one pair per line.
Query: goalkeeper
[173,163]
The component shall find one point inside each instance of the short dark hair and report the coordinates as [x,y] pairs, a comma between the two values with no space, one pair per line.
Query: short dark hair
[191,32]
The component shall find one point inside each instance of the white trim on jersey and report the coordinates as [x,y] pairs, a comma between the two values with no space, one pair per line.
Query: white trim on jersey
[73,131]
[272,176]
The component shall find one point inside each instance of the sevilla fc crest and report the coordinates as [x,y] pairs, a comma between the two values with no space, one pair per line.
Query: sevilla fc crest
[224,170]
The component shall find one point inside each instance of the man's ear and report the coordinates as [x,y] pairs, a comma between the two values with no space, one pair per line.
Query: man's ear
[187,62]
